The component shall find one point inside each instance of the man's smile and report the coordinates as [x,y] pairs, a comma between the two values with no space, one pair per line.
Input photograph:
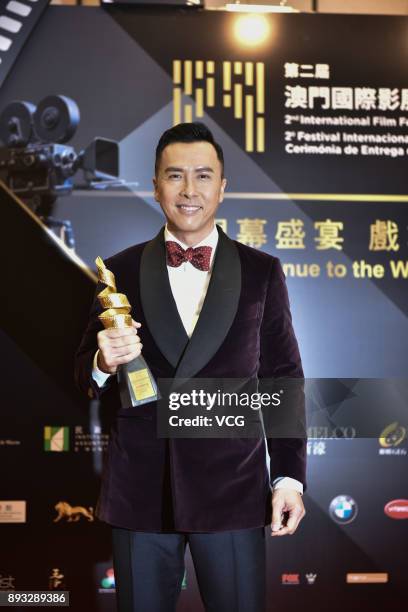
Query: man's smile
[188,209]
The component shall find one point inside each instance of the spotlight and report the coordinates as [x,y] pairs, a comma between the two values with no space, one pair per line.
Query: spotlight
[251,30]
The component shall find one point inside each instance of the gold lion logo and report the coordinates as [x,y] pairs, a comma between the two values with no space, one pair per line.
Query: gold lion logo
[72,513]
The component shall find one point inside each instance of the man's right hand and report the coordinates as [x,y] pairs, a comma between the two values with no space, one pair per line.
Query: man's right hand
[117,346]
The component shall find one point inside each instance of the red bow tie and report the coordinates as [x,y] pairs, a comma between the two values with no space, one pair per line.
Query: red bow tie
[198,257]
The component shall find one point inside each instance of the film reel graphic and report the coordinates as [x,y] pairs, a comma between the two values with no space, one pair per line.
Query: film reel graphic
[55,119]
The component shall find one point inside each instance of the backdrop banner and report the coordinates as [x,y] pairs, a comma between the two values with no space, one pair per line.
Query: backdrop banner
[312,113]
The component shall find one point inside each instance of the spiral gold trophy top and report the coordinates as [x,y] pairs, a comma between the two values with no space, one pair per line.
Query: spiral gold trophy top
[116,304]
[136,383]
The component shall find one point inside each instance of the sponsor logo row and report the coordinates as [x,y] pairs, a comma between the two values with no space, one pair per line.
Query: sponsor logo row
[351,578]
[106,579]
[56,581]
[343,509]
[64,438]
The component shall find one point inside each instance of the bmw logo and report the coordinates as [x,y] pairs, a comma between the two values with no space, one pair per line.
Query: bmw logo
[343,509]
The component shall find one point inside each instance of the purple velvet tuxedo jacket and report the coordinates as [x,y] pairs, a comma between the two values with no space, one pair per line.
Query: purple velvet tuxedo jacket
[244,330]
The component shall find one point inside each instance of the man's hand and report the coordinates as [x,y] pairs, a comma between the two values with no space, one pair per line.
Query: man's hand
[117,346]
[286,500]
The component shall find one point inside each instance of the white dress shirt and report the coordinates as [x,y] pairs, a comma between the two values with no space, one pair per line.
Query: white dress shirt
[189,284]
[189,287]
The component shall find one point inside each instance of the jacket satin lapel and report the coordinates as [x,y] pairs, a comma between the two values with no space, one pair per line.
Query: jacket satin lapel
[218,311]
[158,304]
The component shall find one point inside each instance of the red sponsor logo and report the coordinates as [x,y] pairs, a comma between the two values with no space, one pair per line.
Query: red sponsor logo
[290,579]
[397,509]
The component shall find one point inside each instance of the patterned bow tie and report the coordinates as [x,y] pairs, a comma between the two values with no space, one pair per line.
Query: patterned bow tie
[198,257]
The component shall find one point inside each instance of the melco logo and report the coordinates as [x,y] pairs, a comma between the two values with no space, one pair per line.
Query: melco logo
[343,509]
[397,509]
[392,435]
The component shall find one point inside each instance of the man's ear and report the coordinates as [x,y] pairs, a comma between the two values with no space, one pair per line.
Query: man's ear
[223,186]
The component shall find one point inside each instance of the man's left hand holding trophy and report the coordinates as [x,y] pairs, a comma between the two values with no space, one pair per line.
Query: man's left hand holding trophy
[120,346]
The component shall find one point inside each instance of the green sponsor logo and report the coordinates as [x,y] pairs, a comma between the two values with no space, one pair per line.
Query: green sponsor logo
[56,439]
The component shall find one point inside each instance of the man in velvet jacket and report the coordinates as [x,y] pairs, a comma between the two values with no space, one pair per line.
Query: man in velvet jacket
[226,316]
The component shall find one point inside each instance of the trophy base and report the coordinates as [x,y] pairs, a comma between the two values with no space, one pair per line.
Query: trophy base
[136,383]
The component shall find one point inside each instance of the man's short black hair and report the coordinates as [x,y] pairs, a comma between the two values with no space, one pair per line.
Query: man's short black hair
[188,132]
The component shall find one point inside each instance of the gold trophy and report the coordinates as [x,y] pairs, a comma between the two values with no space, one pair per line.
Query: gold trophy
[136,383]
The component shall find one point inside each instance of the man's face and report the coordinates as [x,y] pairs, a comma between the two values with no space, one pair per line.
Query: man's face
[189,188]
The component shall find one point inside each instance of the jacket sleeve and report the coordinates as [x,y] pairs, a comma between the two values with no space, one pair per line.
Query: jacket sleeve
[280,368]
[86,352]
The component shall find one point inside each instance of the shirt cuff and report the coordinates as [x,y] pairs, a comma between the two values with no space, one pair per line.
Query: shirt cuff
[99,377]
[284,482]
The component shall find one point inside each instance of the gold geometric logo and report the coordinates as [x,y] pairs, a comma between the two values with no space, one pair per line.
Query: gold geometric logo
[241,86]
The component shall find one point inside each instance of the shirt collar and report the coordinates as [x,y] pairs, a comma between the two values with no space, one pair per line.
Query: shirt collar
[210,240]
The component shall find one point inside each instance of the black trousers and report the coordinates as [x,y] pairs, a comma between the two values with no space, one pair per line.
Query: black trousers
[230,569]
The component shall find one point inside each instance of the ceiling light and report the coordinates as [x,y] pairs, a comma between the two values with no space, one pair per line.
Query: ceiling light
[251,30]
[261,8]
